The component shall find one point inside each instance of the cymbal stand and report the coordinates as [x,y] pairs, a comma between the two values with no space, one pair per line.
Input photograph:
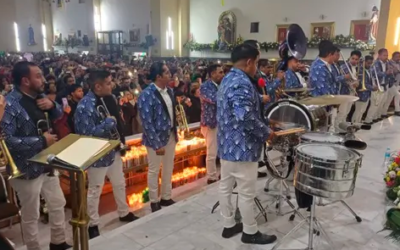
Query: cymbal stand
[314,228]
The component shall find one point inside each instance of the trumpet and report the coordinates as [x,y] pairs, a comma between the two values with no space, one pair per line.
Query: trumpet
[182,121]
[104,113]
[43,125]
[353,77]
[6,159]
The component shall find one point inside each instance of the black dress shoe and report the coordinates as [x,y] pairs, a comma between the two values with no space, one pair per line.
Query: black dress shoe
[384,116]
[62,246]
[397,113]
[261,164]
[166,203]
[261,174]
[230,232]
[211,181]
[93,232]
[258,238]
[155,207]
[375,121]
[128,218]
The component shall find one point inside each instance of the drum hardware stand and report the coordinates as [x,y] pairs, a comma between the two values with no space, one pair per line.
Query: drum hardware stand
[276,174]
[238,217]
[314,228]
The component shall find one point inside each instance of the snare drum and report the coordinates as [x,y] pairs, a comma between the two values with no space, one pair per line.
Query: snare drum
[326,170]
[322,137]
[314,118]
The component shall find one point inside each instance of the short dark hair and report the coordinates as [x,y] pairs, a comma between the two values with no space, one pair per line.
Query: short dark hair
[326,48]
[50,77]
[21,70]
[74,87]
[253,43]
[97,75]
[244,52]
[395,53]
[212,68]
[380,51]
[369,58]
[263,63]
[356,53]
[156,69]
[337,49]
[66,77]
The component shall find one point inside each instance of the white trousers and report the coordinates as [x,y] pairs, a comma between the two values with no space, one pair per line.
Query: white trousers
[96,178]
[359,111]
[29,192]
[373,107]
[382,105]
[155,161]
[343,112]
[245,175]
[392,92]
[210,134]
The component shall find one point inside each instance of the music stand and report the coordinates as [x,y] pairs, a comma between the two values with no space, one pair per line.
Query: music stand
[80,220]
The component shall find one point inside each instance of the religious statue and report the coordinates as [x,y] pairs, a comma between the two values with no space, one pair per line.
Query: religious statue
[373,25]
[226,30]
[31,36]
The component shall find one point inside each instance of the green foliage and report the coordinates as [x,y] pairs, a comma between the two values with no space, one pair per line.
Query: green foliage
[339,40]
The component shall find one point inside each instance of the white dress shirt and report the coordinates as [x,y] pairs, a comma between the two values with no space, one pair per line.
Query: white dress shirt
[167,100]
[328,65]
[383,70]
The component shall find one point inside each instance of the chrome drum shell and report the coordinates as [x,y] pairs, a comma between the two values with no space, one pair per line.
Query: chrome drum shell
[326,170]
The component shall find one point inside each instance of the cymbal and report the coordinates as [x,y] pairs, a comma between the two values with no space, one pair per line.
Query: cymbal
[297,90]
[328,100]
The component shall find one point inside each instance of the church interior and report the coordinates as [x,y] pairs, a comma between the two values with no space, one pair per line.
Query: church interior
[173,167]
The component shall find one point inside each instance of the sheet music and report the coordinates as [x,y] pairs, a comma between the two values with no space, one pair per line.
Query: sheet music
[82,150]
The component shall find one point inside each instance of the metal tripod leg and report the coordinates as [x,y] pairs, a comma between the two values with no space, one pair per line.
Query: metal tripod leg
[358,218]
[313,226]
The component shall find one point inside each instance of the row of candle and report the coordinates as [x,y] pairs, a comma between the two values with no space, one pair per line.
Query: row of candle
[188,175]
[137,155]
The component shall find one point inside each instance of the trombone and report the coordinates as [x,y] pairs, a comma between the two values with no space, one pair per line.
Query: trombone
[182,121]
[353,77]
[363,88]
[6,159]
[104,113]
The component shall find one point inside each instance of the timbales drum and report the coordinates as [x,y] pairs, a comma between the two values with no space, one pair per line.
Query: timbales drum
[312,118]
[326,170]
[322,137]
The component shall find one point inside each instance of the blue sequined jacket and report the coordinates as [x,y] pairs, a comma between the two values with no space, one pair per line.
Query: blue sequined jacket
[21,135]
[292,81]
[385,80]
[242,132]
[322,80]
[157,125]
[208,97]
[88,121]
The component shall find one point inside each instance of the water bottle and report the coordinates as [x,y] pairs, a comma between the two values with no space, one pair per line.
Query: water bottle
[386,160]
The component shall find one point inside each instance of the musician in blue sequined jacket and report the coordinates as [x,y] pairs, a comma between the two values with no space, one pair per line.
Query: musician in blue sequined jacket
[271,85]
[322,80]
[88,121]
[208,97]
[157,124]
[22,136]
[242,131]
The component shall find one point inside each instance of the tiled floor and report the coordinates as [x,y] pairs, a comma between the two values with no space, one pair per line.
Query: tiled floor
[189,225]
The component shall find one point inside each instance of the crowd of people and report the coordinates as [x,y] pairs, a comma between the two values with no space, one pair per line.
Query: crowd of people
[140,96]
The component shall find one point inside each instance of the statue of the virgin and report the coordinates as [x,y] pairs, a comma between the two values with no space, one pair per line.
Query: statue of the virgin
[31,36]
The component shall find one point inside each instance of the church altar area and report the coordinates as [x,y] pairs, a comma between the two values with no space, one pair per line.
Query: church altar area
[189,224]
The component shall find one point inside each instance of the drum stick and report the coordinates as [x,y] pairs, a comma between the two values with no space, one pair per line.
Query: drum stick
[289,131]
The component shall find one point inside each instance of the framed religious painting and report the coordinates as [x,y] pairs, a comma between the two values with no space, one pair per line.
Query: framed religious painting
[281,30]
[323,30]
[359,29]
[134,35]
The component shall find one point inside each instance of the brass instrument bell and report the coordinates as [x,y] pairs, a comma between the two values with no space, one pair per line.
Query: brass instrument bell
[6,159]
[104,113]
[182,121]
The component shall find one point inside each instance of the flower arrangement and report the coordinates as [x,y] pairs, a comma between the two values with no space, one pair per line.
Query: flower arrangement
[339,40]
[392,176]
